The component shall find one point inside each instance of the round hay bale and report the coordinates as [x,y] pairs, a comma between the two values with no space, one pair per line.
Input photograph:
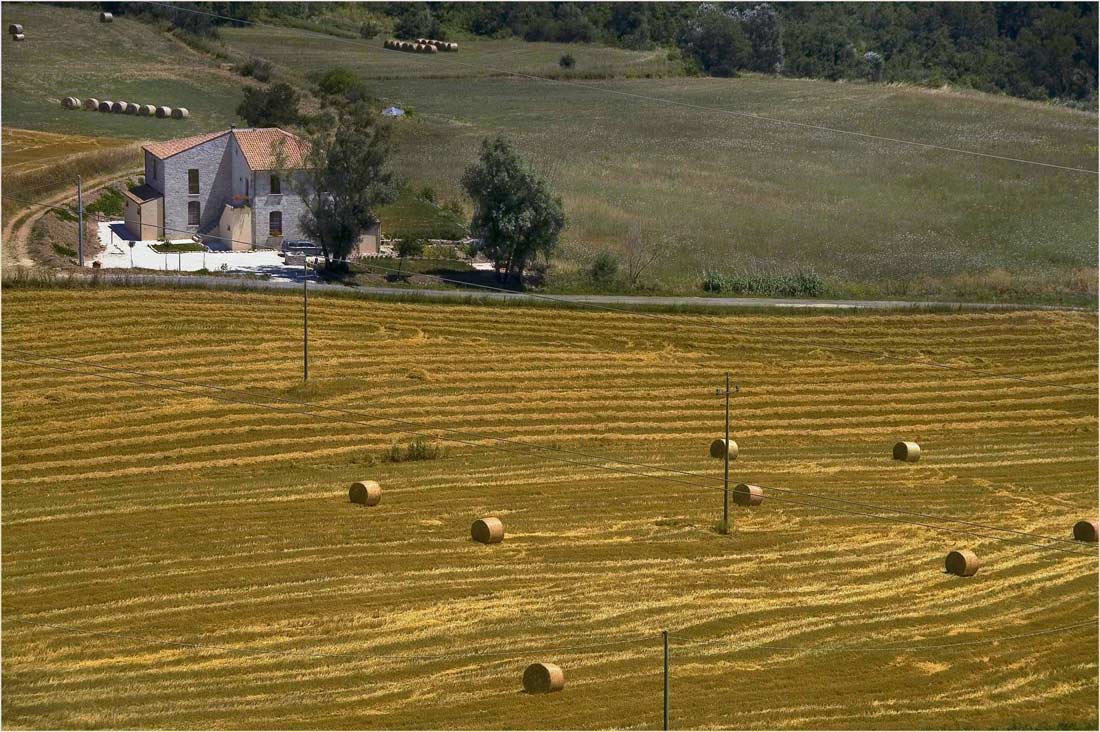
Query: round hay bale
[431,49]
[488,530]
[106,105]
[907,451]
[164,112]
[106,18]
[452,46]
[1086,531]
[748,495]
[70,102]
[18,37]
[15,28]
[543,678]
[365,492]
[718,449]
[180,113]
[147,110]
[91,104]
[962,562]
[118,107]
[132,108]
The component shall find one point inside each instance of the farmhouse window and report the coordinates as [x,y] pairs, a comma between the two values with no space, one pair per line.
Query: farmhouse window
[193,180]
[275,223]
[192,213]
[276,184]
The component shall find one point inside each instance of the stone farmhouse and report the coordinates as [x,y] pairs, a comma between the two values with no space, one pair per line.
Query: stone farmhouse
[227,189]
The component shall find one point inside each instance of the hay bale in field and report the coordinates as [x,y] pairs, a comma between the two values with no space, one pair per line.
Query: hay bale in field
[180,113]
[430,49]
[1086,531]
[748,495]
[718,449]
[119,107]
[106,105]
[147,110]
[18,37]
[70,102]
[452,47]
[365,492]
[15,28]
[132,108]
[91,104]
[164,112]
[488,530]
[962,562]
[106,18]
[907,451]
[543,678]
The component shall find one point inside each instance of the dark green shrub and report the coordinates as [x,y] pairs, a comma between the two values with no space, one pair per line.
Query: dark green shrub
[604,268]
[567,61]
[420,448]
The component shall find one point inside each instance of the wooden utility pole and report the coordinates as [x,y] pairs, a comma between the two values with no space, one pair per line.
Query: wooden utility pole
[726,456]
[80,220]
[305,318]
[664,636]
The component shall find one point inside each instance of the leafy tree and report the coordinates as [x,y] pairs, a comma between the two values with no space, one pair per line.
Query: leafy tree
[762,27]
[515,216]
[875,65]
[370,28]
[274,106]
[417,21]
[346,178]
[715,40]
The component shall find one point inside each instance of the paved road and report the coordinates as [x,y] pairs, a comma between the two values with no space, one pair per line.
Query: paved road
[610,301]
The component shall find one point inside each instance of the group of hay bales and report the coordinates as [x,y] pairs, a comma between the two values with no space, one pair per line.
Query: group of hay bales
[538,678]
[142,110]
[420,45]
[16,31]
[439,45]
[547,678]
[395,45]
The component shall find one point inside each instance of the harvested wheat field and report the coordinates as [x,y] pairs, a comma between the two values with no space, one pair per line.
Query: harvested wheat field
[171,560]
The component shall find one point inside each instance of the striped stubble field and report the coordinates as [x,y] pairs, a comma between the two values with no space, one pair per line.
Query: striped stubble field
[172,559]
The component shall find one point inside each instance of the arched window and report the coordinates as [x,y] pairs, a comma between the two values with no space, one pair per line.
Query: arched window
[276,184]
[275,223]
[193,213]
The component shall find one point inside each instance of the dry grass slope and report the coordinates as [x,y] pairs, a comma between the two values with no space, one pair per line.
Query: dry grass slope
[174,516]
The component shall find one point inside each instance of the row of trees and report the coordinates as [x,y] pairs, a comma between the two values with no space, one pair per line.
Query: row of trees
[1030,49]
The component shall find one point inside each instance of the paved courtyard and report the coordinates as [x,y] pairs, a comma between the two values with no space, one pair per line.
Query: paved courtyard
[119,254]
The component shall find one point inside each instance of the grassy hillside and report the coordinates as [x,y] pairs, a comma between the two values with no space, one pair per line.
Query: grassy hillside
[137,515]
[715,191]
[734,193]
[69,53]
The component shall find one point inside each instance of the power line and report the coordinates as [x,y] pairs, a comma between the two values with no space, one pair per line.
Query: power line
[892,648]
[660,100]
[601,466]
[659,316]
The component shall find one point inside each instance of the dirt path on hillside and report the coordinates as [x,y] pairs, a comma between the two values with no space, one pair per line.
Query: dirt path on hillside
[17,231]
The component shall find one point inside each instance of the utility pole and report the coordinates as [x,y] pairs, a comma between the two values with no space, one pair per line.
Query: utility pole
[664,636]
[305,318]
[80,220]
[726,456]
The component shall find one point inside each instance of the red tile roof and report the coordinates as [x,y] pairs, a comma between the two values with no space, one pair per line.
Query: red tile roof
[259,145]
[168,148]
